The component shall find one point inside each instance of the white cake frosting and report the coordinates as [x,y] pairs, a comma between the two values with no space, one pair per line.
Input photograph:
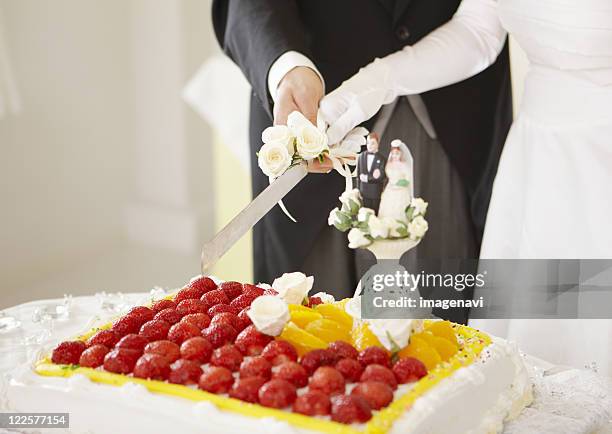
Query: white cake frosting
[475,399]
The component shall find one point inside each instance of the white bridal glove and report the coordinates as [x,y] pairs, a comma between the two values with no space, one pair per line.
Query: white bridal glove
[461,48]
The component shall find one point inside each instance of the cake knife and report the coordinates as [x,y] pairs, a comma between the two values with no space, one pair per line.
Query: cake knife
[251,214]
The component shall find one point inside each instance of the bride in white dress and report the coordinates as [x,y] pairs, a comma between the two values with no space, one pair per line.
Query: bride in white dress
[551,196]
[399,189]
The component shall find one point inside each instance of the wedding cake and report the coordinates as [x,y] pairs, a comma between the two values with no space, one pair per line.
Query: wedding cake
[219,356]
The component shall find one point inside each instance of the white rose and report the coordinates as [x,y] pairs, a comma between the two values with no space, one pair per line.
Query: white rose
[350,195]
[279,134]
[378,229]
[274,159]
[357,238]
[419,205]
[417,228]
[394,332]
[364,213]
[293,287]
[310,141]
[393,226]
[269,314]
[333,217]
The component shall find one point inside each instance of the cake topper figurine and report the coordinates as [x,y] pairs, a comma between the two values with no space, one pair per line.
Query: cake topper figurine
[399,190]
[371,173]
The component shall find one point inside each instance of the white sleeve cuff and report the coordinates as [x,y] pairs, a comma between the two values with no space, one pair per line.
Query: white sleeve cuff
[285,63]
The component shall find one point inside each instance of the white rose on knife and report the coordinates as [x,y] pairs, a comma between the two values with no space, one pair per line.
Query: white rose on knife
[273,159]
[279,134]
[310,141]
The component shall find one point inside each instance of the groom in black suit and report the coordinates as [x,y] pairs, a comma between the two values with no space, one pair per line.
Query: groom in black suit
[294,51]
[371,173]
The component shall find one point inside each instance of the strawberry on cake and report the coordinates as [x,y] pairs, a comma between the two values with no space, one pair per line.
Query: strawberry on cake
[217,356]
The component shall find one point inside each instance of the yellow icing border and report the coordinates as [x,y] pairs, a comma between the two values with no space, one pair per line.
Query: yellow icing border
[381,422]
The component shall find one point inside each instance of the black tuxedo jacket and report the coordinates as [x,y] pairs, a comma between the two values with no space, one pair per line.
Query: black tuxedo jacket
[373,188]
[471,118]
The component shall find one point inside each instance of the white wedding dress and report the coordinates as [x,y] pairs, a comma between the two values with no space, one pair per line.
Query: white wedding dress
[551,197]
[396,198]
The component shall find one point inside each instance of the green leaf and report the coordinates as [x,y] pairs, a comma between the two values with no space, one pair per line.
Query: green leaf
[409,212]
[354,206]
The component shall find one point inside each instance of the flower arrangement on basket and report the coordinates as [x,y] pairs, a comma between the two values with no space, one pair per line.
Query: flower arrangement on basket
[364,227]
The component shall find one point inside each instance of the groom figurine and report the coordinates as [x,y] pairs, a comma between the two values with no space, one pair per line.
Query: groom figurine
[371,173]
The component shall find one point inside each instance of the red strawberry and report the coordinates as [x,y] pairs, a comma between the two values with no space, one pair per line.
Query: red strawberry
[142,313]
[152,366]
[292,372]
[408,370]
[252,290]
[132,342]
[226,318]
[377,394]
[160,305]
[315,358]
[188,293]
[170,315]
[216,379]
[186,307]
[197,349]
[247,389]
[278,352]
[312,403]
[350,369]
[126,325]
[350,409]
[219,334]
[244,320]
[277,394]
[251,341]
[374,355]
[185,372]
[228,357]
[93,356]
[344,349]
[168,349]
[203,284]
[214,297]
[220,308]
[242,301]
[200,320]
[120,360]
[231,289]
[255,367]
[108,338]
[313,301]
[155,330]
[379,373]
[182,331]
[328,380]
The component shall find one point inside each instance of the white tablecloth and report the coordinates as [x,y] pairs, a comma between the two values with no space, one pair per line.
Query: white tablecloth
[566,400]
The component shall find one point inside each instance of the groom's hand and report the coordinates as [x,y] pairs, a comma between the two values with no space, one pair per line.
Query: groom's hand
[300,89]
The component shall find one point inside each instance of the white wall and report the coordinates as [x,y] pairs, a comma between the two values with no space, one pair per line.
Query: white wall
[102,133]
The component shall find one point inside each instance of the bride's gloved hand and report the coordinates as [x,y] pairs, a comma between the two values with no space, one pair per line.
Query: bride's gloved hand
[356,100]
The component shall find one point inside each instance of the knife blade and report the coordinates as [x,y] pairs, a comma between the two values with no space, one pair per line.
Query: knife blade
[251,214]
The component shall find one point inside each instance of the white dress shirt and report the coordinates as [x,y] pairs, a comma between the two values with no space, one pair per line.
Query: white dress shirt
[285,63]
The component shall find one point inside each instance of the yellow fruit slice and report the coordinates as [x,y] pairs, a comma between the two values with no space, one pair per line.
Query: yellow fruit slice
[335,313]
[302,317]
[443,329]
[426,354]
[363,337]
[299,308]
[445,348]
[301,339]
[328,330]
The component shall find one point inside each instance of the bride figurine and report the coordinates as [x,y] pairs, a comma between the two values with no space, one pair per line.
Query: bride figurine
[400,186]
